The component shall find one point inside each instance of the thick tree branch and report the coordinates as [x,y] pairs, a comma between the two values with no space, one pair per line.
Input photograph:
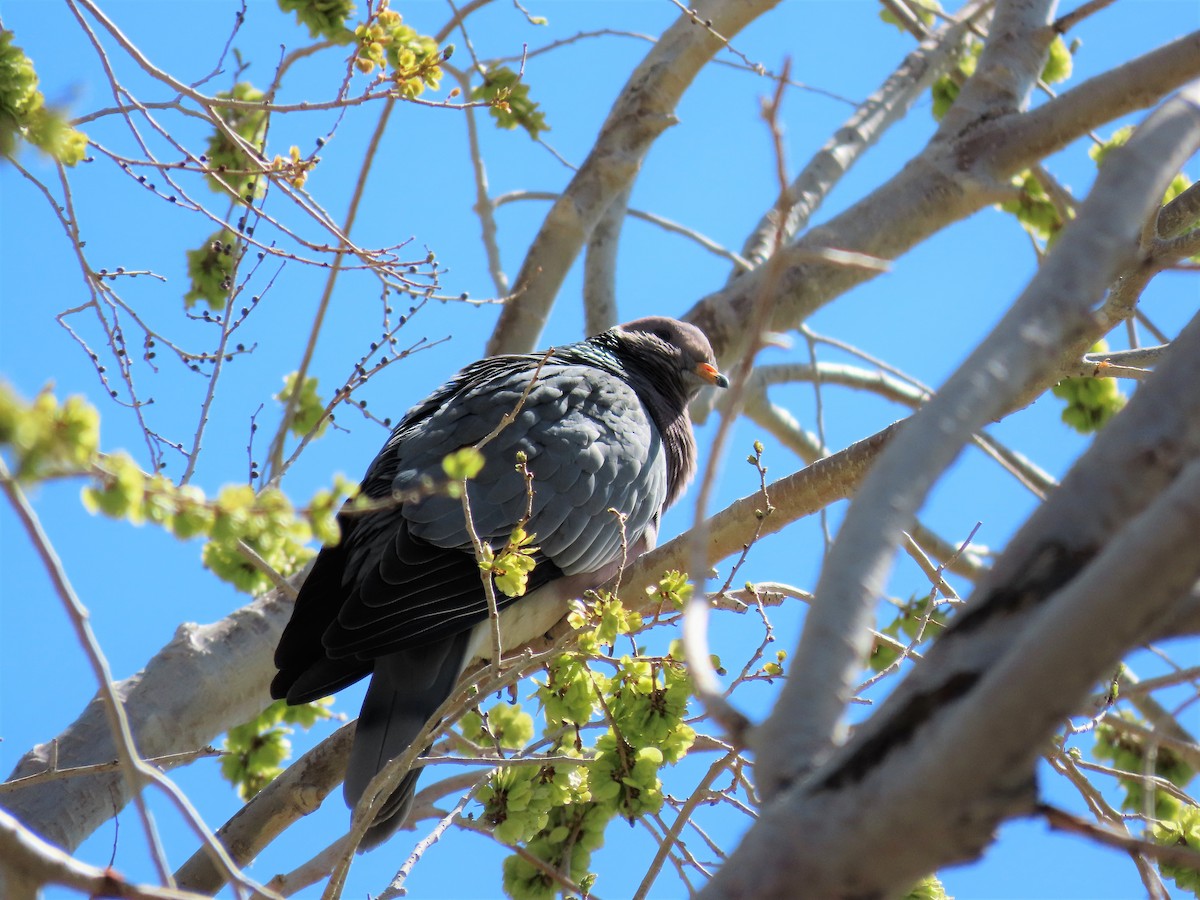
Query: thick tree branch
[170,709]
[859,133]
[1024,652]
[296,793]
[807,721]
[1009,144]
[641,113]
[600,267]
[27,863]
[948,181]
[1017,45]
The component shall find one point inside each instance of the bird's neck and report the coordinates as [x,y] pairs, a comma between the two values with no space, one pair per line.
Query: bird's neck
[667,402]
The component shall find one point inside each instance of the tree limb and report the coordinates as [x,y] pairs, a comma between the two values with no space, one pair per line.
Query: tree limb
[806,723]
[641,113]
[1025,652]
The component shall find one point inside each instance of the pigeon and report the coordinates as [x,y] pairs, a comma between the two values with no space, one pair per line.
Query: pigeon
[603,425]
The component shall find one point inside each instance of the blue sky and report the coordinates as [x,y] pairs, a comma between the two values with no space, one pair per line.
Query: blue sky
[712,172]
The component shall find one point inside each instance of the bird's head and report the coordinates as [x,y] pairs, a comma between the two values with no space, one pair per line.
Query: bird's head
[680,346]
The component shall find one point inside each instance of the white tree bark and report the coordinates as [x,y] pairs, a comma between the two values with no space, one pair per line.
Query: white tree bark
[962,733]
[1057,306]
[643,111]
[206,680]
[953,177]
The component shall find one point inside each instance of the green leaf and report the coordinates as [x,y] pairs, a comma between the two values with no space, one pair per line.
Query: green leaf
[924,10]
[309,411]
[509,101]
[1090,402]
[210,268]
[227,161]
[463,464]
[928,888]
[1182,830]
[945,89]
[47,437]
[413,60]
[24,114]
[1059,63]
[324,18]
[256,750]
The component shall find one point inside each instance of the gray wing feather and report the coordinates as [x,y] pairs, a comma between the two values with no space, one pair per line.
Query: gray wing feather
[589,443]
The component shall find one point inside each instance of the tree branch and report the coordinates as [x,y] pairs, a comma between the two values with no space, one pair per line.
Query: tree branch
[600,267]
[641,113]
[869,122]
[934,744]
[806,723]
[27,863]
[169,709]
[1008,144]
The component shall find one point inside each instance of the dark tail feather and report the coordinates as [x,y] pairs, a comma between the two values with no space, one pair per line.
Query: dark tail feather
[406,689]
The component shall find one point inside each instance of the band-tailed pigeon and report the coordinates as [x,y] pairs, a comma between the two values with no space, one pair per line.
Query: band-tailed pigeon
[604,427]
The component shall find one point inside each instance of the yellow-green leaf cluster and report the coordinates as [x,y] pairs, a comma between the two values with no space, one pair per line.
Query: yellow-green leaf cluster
[267,524]
[599,620]
[775,669]
[905,628]
[560,811]
[1059,63]
[1034,209]
[1182,831]
[1090,402]
[226,158]
[324,18]
[1128,753]
[24,114]
[506,724]
[509,103]
[309,410]
[256,750]
[515,803]
[614,619]
[928,888]
[45,437]
[568,695]
[294,168]
[566,844]
[412,60]
[511,565]
[673,589]
[647,701]
[463,464]
[627,778]
[210,268]
[946,88]
[324,506]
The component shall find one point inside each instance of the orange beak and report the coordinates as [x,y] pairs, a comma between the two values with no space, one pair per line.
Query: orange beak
[711,375]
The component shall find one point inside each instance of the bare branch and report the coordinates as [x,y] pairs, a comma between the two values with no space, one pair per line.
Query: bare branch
[27,863]
[1056,305]
[1007,144]
[600,267]
[859,133]
[934,742]
[643,111]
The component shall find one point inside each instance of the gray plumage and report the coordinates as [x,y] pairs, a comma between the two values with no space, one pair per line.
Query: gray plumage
[604,426]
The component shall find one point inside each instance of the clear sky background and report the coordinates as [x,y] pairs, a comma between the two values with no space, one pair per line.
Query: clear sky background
[713,172]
